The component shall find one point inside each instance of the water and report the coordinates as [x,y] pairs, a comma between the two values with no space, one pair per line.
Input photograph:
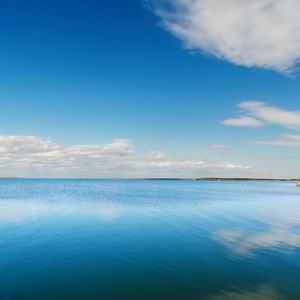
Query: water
[111,239]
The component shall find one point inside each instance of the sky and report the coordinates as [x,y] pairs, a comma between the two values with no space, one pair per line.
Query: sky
[150,88]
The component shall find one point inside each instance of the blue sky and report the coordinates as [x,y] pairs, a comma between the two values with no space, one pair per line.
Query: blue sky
[77,75]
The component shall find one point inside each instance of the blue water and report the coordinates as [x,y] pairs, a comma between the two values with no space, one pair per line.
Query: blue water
[122,239]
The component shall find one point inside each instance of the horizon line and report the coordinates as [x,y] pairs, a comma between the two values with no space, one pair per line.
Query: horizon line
[161,178]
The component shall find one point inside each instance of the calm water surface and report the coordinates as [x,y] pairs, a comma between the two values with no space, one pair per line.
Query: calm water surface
[189,240]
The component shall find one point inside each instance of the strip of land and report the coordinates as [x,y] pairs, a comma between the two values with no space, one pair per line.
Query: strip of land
[205,178]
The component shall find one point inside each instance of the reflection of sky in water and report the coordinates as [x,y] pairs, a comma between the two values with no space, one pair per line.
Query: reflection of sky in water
[20,211]
[274,223]
[249,218]
[261,292]
[226,240]
[242,222]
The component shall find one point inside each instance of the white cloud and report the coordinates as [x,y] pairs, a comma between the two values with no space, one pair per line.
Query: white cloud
[33,156]
[251,33]
[216,149]
[272,114]
[257,114]
[26,144]
[290,140]
[243,121]
[213,148]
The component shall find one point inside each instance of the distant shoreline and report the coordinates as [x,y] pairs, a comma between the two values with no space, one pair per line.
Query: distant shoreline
[191,179]
[204,179]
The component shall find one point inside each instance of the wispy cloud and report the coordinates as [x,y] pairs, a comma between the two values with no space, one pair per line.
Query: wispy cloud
[251,33]
[34,156]
[289,140]
[218,149]
[243,121]
[213,148]
[258,114]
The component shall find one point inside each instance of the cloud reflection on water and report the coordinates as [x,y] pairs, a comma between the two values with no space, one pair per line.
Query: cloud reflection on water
[261,292]
[243,241]
[277,225]
[26,211]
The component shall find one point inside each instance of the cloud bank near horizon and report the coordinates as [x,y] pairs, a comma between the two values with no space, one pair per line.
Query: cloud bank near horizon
[34,156]
[250,33]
